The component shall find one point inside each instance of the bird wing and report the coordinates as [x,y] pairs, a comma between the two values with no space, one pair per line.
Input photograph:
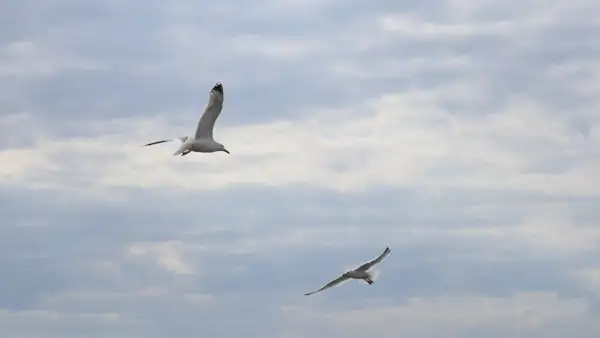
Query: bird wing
[205,126]
[181,138]
[333,283]
[156,142]
[370,264]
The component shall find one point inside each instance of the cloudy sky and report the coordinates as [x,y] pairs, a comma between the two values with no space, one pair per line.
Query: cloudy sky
[463,134]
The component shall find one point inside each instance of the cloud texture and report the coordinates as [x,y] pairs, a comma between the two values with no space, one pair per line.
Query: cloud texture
[463,134]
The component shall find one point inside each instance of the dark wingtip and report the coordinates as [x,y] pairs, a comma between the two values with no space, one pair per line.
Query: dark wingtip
[153,143]
[218,87]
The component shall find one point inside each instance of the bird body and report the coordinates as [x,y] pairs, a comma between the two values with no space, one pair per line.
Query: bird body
[203,141]
[361,272]
[358,274]
[199,146]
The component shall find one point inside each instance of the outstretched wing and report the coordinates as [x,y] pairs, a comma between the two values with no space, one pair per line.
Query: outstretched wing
[205,126]
[181,138]
[370,264]
[333,283]
[157,142]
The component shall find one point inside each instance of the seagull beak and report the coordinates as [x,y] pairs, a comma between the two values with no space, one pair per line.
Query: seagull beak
[225,150]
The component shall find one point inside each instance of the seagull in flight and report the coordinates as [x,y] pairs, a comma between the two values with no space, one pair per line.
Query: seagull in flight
[362,272]
[202,141]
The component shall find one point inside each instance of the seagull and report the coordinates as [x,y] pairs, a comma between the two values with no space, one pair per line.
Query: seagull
[202,141]
[362,272]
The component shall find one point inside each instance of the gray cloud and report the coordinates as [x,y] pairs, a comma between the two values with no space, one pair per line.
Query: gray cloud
[465,138]
[160,59]
[73,256]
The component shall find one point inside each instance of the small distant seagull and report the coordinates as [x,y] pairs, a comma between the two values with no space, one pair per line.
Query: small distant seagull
[362,272]
[203,141]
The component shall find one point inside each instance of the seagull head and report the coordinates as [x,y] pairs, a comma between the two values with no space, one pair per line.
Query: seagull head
[222,148]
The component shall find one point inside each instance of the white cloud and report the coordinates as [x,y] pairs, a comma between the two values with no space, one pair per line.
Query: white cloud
[394,68]
[274,48]
[466,18]
[459,133]
[552,235]
[166,255]
[394,140]
[590,279]
[520,315]
[416,28]
[19,323]
[28,58]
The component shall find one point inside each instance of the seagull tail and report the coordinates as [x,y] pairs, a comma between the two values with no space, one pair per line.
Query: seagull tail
[375,273]
[181,149]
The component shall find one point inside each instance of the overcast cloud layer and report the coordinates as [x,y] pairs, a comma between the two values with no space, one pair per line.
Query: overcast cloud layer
[463,134]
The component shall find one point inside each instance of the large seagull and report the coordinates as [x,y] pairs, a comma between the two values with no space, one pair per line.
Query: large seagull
[362,272]
[203,141]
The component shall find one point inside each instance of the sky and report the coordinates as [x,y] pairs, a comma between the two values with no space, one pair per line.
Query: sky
[463,134]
